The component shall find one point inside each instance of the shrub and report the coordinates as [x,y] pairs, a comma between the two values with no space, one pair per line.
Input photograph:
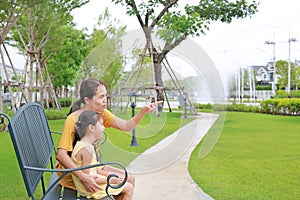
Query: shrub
[202,106]
[284,94]
[295,93]
[283,106]
[65,102]
[281,94]
[268,87]
[219,107]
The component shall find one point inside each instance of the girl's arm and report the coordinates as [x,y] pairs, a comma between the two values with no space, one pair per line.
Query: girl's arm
[85,156]
[103,180]
[87,180]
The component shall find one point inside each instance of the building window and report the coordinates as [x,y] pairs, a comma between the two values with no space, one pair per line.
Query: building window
[272,77]
[265,76]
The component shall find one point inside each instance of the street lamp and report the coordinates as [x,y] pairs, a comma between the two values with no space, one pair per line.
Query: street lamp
[289,66]
[274,66]
[132,99]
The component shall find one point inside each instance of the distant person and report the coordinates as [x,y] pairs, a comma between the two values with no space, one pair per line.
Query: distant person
[90,129]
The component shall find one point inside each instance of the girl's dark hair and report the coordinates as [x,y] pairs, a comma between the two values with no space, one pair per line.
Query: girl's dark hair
[85,119]
[87,89]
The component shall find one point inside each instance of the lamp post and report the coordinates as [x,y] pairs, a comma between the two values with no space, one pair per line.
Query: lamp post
[274,66]
[132,99]
[289,66]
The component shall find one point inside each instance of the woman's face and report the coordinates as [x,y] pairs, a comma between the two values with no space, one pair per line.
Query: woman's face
[98,102]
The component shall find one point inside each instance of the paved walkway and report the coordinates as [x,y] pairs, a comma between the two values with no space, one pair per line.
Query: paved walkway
[161,172]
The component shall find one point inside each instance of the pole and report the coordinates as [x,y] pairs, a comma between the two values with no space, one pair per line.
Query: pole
[133,139]
[185,114]
[274,67]
[289,70]
[289,66]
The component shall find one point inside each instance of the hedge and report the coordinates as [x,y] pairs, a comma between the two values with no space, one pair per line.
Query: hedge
[284,94]
[286,106]
[282,106]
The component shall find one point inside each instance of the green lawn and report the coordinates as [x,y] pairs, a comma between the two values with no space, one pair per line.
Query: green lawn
[256,157]
[117,148]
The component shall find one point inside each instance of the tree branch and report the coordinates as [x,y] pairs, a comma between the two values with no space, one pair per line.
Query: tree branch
[137,14]
[161,14]
[168,46]
[164,2]
[147,16]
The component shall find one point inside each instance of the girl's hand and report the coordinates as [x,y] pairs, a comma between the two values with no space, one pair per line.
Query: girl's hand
[89,182]
[115,180]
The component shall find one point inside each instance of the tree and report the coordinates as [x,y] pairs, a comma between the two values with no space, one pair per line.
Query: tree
[66,57]
[36,30]
[297,77]
[174,24]
[105,60]
[10,13]
[282,72]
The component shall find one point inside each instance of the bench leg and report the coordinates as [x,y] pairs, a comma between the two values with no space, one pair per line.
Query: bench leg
[69,194]
[53,194]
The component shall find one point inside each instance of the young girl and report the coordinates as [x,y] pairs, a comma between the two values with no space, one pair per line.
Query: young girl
[90,129]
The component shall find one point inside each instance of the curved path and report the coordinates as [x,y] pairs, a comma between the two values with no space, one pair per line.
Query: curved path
[162,171]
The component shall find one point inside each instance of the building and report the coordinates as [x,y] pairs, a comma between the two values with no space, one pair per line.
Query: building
[265,75]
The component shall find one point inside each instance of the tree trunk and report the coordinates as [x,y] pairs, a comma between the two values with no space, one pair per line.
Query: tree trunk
[156,60]
[158,81]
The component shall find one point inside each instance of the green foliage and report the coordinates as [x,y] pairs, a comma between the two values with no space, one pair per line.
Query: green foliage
[196,18]
[263,87]
[105,60]
[281,94]
[202,106]
[282,71]
[234,107]
[276,106]
[68,57]
[281,106]
[295,93]
[284,94]
[45,29]
[65,102]
[173,24]
[53,114]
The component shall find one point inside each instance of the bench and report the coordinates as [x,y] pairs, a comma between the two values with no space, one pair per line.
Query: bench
[33,144]
[183,105]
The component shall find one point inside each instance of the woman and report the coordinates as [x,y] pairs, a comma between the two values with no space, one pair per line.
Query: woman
[93,96]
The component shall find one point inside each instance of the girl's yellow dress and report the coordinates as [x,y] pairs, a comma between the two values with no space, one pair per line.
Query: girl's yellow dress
[79,186]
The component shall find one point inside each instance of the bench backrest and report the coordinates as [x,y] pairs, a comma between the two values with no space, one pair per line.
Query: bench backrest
[32,141]
[182,101]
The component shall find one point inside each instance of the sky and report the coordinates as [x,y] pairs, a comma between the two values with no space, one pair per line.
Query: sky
[236,45]
[230,46]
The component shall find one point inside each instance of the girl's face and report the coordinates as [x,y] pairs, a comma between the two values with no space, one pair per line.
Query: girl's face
[98,102]
[99,128]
